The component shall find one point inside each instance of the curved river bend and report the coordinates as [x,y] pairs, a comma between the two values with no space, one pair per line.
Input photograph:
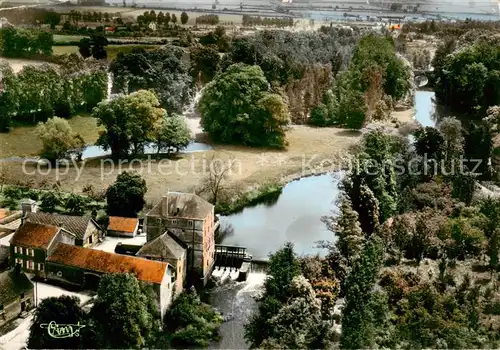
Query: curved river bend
[263,229]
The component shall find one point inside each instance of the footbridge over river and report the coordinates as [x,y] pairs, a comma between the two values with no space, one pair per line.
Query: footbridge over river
[235,257]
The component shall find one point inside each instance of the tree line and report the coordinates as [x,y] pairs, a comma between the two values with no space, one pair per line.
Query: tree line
[39,92]
[207,19]
[267,22]
[20,42]
[391,219]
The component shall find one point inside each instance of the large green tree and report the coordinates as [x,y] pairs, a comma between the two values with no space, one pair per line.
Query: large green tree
[173,133]
[237,107]
[63,310]
[163,70]
[363,316]
[9,96]
[129,121]
[190,322]
[58,139]
[283,268]
[123,309]
[126,196]
[205,62]
[468,80]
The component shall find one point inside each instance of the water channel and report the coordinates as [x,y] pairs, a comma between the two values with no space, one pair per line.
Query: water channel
[263,229]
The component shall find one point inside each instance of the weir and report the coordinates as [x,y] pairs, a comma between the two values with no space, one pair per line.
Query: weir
[233,257]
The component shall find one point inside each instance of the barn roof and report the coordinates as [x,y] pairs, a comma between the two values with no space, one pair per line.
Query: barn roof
[104,262]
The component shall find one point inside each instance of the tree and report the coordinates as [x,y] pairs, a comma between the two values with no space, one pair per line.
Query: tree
[174,133]
[58,139]
[53,18]
[49,201]
[452,132]
[283,268]
[189,322]
[297,325]
[85,47]
[99,41]
[126,196]
[122,307]
[129,121]
[75,204]
[160,18]
[63,310]
[430,143]
[493,249]
[184,17]
[364,315]
[163,70]
[173,18]
[350,238]
[215,181]
[205,61]
[237,107]
[21,42]
[9,96]
[167,19]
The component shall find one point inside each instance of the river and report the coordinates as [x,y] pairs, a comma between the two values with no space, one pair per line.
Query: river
[263,229]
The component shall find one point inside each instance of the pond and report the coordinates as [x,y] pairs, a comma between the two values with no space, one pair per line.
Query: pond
[96,151]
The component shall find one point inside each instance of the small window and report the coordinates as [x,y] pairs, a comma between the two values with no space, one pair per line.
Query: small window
[32,252]
[59,273]
[40,266]
[180,269]
[174,222]
[190,222]
[15,249]
[90,240]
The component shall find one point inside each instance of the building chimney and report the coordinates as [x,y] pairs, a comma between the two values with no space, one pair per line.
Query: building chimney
[164,206]
[28,206]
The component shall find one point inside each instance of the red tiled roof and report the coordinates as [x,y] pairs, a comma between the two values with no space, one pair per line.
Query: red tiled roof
[104,262]
[34,235]
[120,224]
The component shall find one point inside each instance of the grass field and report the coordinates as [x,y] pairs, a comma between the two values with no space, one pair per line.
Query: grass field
[21,141]
[67,38]
[308,148]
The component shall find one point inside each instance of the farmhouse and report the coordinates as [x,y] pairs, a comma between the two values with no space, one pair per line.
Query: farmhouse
[192,220]
[87,232]
[31,244]
[83,267]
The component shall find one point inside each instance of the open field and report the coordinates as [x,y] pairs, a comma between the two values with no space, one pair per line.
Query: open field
[309,147]
[67,38]
[131,12]
[21,141]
